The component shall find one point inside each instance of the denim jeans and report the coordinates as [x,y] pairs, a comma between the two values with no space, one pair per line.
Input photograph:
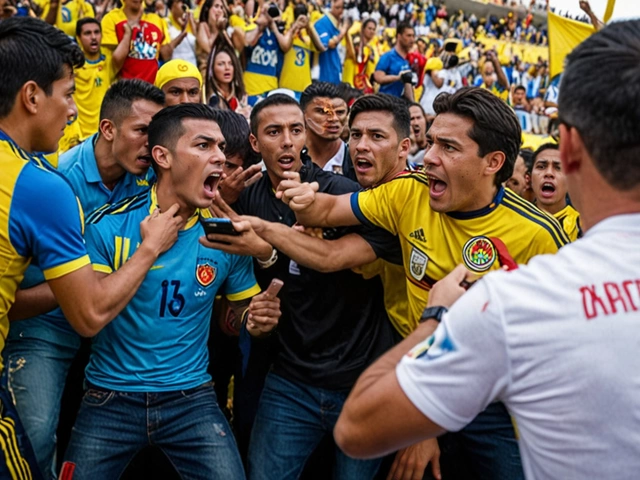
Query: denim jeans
[37,358]
[491,445]
[292,419]
[187,425]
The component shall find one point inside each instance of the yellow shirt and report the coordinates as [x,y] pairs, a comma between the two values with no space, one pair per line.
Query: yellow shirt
[93,80]
[72,137]
[498,90]
[569,218]
[68,14]
[296,67]
[433,243]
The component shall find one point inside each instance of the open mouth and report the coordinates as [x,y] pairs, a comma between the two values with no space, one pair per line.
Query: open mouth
[363,165]
[547,189]
[436,187]
[144,160]
[211,184]
[286,162]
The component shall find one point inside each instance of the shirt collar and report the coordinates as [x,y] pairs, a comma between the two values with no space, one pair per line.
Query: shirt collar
[497,200]
[36,157]
[153,204]
[88,158]
[333,19]
[628,222]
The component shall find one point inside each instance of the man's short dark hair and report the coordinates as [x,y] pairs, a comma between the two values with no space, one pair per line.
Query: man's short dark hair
[235,131]
[520,87]
[86,21]
[495,125]
[382,102]
[166,126]
[118,100]
[402,26]
[416,104]
[32,50]
[279,99]
[605,109]
[527,156]
[319,90]
[540,149]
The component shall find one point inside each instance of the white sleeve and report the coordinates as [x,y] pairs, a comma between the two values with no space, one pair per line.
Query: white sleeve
[463,367]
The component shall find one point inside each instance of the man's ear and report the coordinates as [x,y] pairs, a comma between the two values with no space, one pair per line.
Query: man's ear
[404,148]
[162,156]
[107,129]
[495,161]
[30,96]
[571,149]
[254,143]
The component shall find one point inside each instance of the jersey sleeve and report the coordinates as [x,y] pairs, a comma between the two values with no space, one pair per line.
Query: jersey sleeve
[379,206]
[385,244]
[463,367]
[109,37]
[47,230]
[241,282]
[99,247]
[384,63]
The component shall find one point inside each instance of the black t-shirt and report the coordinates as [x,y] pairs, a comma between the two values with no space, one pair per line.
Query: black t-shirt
[333,325]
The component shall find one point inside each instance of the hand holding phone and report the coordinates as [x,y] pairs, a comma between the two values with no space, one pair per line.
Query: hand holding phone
[221,226]
[274,287]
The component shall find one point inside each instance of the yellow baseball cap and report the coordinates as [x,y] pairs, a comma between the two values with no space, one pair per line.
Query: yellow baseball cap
[434,63]
[174,69]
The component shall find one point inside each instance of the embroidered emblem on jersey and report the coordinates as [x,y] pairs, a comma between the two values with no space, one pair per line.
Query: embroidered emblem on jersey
[418,263]
[205,274]
[418,235]
[479,254]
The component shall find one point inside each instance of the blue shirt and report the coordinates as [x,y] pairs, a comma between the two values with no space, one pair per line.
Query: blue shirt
[329,60]
[159,341]
[392,63]
[80,168]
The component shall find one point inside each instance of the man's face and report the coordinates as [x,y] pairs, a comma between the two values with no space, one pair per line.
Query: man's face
[280,139]
[488,73]
[407,39]
[518,96]
[418,123]
[196,163]
[182,90]
[90,38]
[232,163]
[518,182]
[177,12]
[54,111]
[377,152]
[548,181]
[130,143]
[337,7]
[326,117]
[422,46]
[135,5]
[453,166]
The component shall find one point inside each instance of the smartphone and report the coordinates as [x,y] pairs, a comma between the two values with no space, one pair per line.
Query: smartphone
[274,287]
[221,226]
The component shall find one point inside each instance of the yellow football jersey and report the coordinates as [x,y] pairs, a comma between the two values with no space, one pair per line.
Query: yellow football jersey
[569,218]
[433,243]
[296,67]
[498,90]
[395,292]
[68,14]
[93,80]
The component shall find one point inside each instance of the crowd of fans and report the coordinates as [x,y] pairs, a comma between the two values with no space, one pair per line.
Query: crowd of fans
[382,116]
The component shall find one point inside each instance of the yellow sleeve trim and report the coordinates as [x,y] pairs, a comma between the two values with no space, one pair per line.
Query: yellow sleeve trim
[65,268]
[102,268]
[235,297]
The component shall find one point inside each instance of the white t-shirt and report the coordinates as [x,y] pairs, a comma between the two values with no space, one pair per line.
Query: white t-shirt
[186,50]
[335,163]
[558,341]
[430,92]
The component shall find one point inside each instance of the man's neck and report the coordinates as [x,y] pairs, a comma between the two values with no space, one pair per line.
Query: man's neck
[555,208]
[130,13]
[110,171]
[401,51]
[14,127]
[166,196]
[321,150]
[275,180]
[92,57]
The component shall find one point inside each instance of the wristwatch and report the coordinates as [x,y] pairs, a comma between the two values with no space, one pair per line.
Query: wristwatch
[433,312]
[272,260]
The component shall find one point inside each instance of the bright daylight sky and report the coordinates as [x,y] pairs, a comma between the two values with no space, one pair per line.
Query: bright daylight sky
[623,8]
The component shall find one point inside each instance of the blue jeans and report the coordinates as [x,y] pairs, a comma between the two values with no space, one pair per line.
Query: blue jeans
[187,425]
[292,419]
[37,358]
[491,445]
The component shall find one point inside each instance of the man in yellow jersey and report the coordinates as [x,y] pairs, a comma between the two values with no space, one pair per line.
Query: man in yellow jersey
[296,66]
[549,185]
[147,36]
[93,78]
[65,14]
[493,77]
[39,217]
[180,81]
[455,212]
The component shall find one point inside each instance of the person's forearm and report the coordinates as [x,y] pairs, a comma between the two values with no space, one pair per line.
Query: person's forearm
[315,38]
[252,37]
[502,78]
[313,252]
[101,299]
[408,92]
[121,52]
[33,301]
[166,52]
[284,41]
[383,79]
[52,15]
[335,40]
[318,214]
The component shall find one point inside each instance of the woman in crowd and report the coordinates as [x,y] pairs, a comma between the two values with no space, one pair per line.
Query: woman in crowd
[224,84]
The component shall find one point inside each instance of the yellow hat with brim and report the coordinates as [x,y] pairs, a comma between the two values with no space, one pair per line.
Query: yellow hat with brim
[434,63]
[175,69]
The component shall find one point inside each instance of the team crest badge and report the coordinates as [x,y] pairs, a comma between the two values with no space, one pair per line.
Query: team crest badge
[479,254]
[418,263]
[205,274]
